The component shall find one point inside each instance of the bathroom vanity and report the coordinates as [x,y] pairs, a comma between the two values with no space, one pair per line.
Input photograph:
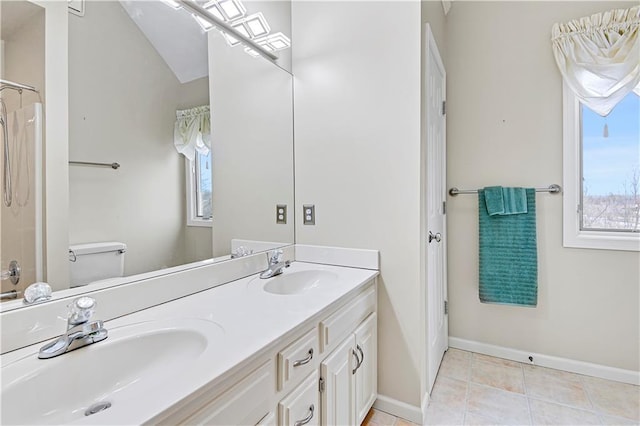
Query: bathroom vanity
[298,348]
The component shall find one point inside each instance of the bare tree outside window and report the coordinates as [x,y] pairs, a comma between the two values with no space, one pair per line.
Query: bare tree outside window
[611,168]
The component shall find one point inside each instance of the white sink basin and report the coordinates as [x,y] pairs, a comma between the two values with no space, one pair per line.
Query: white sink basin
[132,361]
[297,282]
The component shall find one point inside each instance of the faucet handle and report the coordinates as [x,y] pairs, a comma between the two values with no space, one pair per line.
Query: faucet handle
[81,310]
[276,257]
[36,293]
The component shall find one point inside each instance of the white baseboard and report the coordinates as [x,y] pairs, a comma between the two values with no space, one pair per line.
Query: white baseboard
[425,404]
[398,409]
[573,366]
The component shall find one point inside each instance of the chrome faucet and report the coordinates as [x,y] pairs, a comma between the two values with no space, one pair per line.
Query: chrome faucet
[80,331]
[276,265]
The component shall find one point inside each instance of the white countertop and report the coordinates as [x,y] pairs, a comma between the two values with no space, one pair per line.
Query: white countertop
[249,320]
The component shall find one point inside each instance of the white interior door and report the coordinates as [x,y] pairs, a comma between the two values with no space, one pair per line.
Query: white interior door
[436,270]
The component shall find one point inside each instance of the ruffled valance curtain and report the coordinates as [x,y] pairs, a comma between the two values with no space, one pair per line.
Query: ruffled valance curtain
[599,57]
[192,131]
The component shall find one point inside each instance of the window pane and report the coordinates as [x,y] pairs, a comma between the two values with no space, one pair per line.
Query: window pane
[203,186]
[611,168]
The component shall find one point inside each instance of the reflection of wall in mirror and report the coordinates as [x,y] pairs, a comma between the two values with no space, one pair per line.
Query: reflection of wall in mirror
[122,101]
[252,143]
[23,48]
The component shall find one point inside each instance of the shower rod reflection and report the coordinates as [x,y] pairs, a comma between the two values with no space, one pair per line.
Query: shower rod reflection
[554,189]
[6,84]
[89,163]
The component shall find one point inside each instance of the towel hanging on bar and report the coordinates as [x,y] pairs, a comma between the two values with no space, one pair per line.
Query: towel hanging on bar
[508,255]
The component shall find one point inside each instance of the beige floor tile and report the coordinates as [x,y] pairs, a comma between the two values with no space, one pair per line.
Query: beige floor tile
[456,364]
[499,375]
[548,413]
[617,421]
[403,422]
[498,405]
[495,360]
[367,419]
[438,414]
[450,392]
[555,385]
[476,419]
[614,398]
[383,419]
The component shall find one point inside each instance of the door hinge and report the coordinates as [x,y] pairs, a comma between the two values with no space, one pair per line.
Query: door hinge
[321,385]
[444,107]
[444,207]
[446,307]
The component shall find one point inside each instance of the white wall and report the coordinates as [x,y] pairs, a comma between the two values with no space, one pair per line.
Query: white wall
[504,125]
[357,130]
[252,143]
[123,99]
[433,13]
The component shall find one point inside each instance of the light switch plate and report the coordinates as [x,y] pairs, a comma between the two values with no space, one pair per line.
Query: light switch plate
[281,214]
[308,214]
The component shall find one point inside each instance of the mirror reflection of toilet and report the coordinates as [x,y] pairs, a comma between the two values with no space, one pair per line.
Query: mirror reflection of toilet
[95,261]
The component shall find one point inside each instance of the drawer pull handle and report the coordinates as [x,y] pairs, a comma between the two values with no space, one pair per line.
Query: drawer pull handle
[306,419]
[305,360]
[361,355]
[358,362]
[359,359]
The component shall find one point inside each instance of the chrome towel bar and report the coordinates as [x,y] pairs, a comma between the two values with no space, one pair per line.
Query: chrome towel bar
[88,163]
[553,189]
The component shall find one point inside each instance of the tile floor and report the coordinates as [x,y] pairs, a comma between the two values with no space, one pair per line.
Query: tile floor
[474,389]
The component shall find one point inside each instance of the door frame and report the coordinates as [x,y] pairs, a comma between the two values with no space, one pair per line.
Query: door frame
[429,47]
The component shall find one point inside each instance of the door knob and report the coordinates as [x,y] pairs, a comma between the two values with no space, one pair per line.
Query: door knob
[437,237]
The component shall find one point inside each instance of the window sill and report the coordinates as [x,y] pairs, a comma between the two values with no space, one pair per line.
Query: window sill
[200,223]
[603,241]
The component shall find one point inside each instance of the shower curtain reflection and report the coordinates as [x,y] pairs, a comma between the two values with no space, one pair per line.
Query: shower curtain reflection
[21,222]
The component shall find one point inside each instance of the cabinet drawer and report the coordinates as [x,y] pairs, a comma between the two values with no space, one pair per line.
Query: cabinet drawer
[302,405]
[335,328]
[245,403]
[298,359]
[268,420]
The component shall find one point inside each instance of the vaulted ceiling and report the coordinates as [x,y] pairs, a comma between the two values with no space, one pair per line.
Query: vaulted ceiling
[174,34]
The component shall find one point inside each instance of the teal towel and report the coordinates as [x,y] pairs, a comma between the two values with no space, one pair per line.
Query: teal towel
[504,201]
[508,255]
[515,200]
[493,199]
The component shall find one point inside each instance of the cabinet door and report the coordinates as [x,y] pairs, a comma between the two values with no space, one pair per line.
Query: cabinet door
[338,396]
[367,374]
[300,407]
[245,403]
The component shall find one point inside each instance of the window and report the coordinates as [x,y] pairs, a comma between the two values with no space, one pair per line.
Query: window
[602,175]
[199,203]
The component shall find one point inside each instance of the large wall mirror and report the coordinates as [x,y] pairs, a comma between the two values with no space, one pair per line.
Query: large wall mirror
[145,83]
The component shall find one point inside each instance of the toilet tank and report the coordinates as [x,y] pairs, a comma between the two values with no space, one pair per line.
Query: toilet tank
[95,261]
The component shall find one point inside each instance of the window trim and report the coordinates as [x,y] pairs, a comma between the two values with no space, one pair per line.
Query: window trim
[190,177]
[573,236]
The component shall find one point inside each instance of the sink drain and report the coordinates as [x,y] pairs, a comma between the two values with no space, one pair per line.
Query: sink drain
[97,407]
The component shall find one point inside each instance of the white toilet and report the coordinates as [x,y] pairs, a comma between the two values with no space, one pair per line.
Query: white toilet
[95,261]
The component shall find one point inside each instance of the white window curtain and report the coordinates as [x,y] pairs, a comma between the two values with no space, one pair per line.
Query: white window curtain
[599,57]
[192,131]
